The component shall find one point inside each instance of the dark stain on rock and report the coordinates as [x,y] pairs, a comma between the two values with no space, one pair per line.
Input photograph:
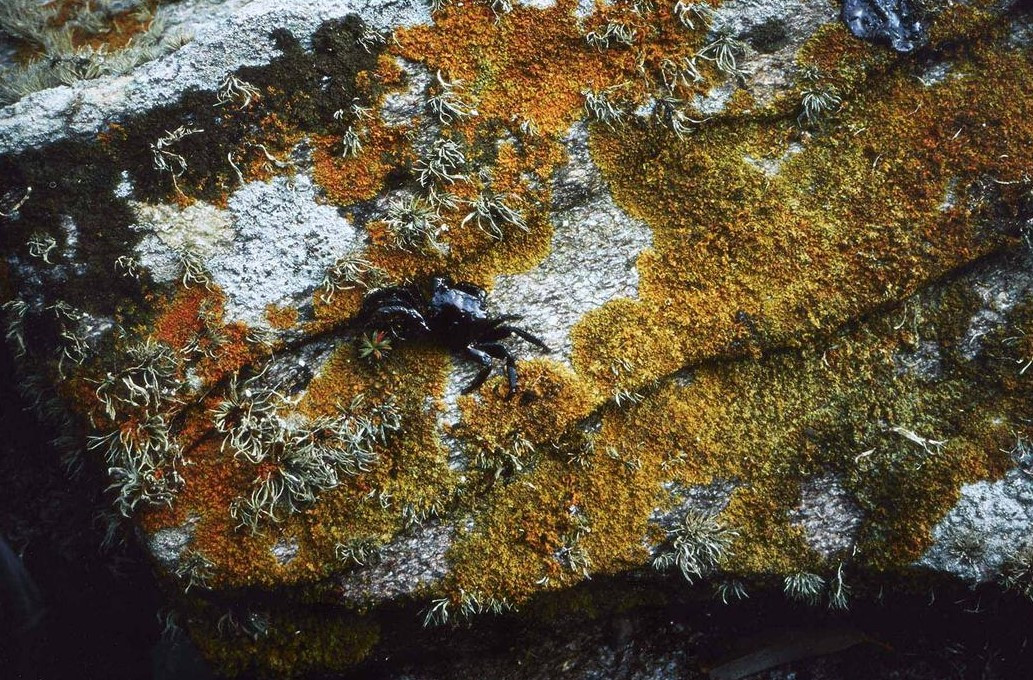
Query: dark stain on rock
[73,197]
[304,92]
[897,23]
[768,36]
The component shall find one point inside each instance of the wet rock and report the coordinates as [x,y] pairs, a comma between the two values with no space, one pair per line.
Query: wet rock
[897,23]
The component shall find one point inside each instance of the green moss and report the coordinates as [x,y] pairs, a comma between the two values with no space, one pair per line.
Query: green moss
[297,643]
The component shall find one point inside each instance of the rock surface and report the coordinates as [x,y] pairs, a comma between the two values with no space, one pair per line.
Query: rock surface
[784,273]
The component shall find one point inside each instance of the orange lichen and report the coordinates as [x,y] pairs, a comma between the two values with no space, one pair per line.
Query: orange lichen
[180,321]
[549,401]
[534,64]
[281,318]
[350,180]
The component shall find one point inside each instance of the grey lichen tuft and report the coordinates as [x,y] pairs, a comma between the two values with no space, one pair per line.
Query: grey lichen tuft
[730,590]
[59,60]
[1017,572]
[804,587]
[670,114]
[447,104]
[442,164]
[696,546]
[492,215]
[142,458]
[414,224]
[300,459]
[816,104]
[612,34]
[360,551]
[194,570]
[725,51]
[839,592]
[147,379]
[370,39]
[438,614]
[251,623]
[349,272]
[572,553]
[600,106]
[351,145]
[16,310]
[41,246]
[165,160]
[689,13]
[233,90]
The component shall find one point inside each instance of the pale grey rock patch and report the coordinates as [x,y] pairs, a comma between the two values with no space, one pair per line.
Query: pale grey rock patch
[935,73]
[950,195]
[271,245]
[167,545]
[827,514]
[400,107]
[923,362]
[462,373]
[227,36]
[592,260]
[124,188]
[585,8]
[71,232]
[710,499]
[799,17]
[406,565]
[715,100]
[291,373]
[285,550]
[990,522]
[169,230]
[1000,289]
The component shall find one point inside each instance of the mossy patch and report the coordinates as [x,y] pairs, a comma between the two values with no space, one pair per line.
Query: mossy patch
[747,259]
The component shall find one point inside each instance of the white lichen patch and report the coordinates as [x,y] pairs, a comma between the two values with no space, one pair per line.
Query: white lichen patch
[284,550]
[200,229]
[990,522]
[595,245]
[923,361]
[827,514]
[285,242]
[272,245]
[715,100]
[935,74]
[167,545]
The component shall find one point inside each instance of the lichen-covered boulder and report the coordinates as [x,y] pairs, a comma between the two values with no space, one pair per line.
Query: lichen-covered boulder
[784,273]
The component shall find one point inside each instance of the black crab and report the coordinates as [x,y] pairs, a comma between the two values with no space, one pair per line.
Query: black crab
[452,316]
